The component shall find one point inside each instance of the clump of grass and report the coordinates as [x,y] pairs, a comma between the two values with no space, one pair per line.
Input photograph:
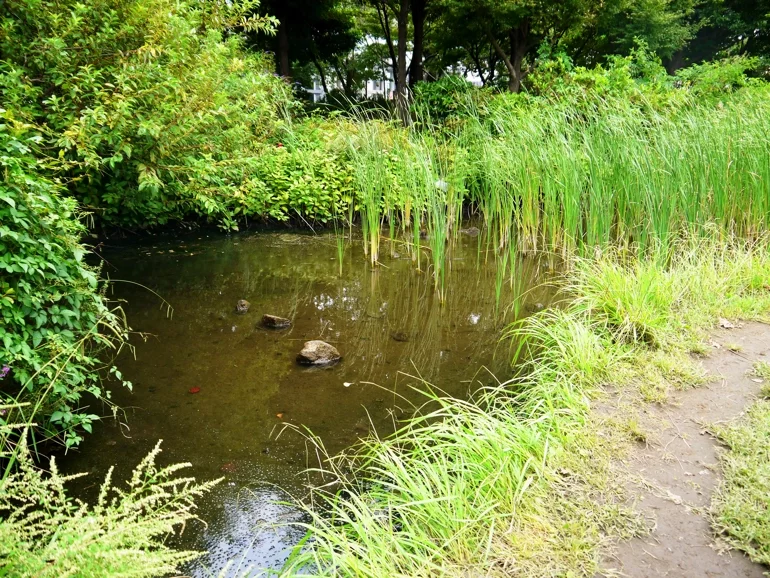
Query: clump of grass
[490,485]
[635,431]
[574,177]
[761,369]
[740,508]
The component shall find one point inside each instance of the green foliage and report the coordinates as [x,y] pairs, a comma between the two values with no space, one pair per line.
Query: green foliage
[719,77]
[55,321]
[666,26]
[151,106]
[437,101]
[498,482]
[45,532]
[304,176]
[637,76]
[740,509]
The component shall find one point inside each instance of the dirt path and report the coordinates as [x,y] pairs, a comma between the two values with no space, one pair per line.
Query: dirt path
[678,469]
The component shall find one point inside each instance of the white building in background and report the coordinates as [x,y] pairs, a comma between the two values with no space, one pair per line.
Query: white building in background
[383,88]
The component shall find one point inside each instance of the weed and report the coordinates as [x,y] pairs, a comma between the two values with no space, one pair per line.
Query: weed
[761,369]
[740,509]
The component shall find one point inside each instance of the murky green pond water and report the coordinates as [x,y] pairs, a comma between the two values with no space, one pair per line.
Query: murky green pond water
[387,323]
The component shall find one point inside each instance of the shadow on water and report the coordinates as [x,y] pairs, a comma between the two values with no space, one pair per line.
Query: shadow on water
[387,323]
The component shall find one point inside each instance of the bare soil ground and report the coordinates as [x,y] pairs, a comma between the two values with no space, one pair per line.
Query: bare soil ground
[677,469]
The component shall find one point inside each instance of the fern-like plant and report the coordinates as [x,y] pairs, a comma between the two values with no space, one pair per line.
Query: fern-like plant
[45,532]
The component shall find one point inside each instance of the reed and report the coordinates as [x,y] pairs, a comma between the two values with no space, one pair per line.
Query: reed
[571,176]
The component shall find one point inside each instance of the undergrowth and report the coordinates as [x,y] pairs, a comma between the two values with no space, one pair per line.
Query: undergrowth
[45,532]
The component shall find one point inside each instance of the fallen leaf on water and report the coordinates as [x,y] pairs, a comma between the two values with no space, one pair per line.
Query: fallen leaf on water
[195,389]
[279,415]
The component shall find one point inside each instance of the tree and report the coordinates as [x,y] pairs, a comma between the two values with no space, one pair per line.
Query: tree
[730,27]
[419,14]
[309,31]
[664,26]
[514,27]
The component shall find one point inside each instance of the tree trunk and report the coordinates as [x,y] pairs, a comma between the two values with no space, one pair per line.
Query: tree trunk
[508,64]
[321,74]
[382,16]
[416,73]
[340,76]
[402,103]
[519,38]
[492,62]
[519,46]
[676,62]
[283,50]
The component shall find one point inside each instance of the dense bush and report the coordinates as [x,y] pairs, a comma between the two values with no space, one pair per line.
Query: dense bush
[152,106]
[53,318]
[437,101]
[719,77]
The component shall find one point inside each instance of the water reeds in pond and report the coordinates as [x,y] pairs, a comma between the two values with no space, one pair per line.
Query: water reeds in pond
[565,177]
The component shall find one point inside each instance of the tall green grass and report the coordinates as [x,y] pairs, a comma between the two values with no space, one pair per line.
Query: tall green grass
[571,176]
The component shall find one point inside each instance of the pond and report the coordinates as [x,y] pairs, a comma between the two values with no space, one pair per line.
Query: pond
[217,387]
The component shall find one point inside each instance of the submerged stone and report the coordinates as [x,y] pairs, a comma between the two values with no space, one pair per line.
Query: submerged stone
[318,352]
[534,307]
[275,322]
[242,306]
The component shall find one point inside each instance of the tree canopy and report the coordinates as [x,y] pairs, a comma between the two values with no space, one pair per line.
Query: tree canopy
[498,40]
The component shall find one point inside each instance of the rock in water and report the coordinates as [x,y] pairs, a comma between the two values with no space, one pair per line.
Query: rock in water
[242,306]
[275,322]
[318,353]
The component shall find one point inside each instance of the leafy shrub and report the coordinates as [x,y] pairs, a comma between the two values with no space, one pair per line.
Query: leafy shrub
[154,107]
[53,318]
[718,77]
[439,100]
[639,76]
[312,184]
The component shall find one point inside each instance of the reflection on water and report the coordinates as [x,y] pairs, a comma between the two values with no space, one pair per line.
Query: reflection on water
[386,322]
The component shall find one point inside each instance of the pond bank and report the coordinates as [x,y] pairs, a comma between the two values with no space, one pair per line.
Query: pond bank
[674,470]
[218,387]
[525,479]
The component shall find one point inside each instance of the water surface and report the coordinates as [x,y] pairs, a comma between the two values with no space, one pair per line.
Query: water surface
[386,321]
